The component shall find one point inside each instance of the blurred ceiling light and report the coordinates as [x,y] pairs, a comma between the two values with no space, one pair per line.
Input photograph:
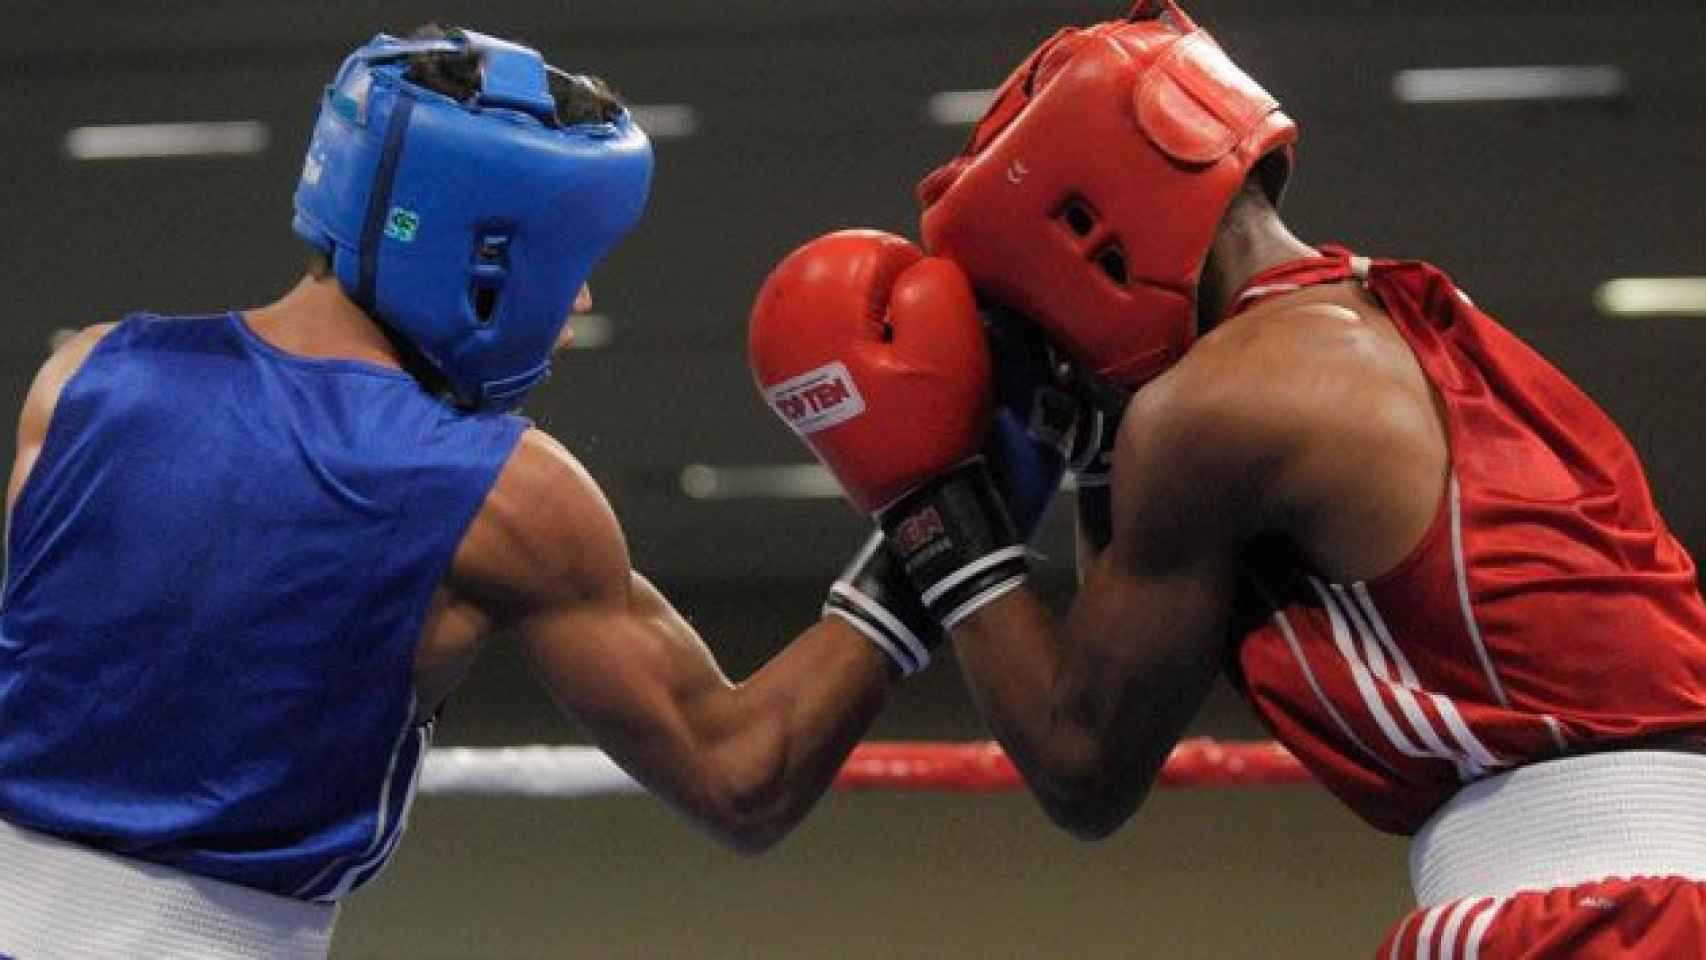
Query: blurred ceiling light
[788,481]
[593,331]
[666,121]
[127,141]
[1492,84]
[956,107]
[1653,297]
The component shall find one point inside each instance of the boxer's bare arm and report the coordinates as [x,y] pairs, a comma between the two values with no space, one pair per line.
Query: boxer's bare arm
[1090,710]
[1323,433]
[547,560]
[43,398]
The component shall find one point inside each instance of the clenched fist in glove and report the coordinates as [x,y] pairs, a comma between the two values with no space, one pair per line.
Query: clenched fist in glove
[875,355]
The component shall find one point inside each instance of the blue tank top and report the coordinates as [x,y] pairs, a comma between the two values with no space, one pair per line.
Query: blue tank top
[216,577]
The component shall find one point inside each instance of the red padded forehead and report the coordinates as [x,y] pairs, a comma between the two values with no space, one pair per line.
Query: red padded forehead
[1036,72]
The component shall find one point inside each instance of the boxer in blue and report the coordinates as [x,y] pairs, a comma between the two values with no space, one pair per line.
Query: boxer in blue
[251,553]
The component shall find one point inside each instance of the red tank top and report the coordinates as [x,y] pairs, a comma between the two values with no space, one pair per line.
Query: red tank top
[1547,608]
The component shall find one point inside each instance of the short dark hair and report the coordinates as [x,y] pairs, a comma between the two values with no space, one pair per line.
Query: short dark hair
[580,98]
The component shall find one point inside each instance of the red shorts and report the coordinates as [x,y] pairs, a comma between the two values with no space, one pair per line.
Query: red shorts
[1651,918]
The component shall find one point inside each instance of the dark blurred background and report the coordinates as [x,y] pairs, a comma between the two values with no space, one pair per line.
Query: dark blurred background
[775,122]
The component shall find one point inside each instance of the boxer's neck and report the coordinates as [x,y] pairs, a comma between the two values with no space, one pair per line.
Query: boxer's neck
[317,319]
[1251,238]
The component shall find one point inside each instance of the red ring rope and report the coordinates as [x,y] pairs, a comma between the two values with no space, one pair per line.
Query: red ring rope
[563,771]
[984,768]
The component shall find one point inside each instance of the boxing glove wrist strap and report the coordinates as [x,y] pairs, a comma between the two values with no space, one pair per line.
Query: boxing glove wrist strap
[1092,460]
[955,541]
[874,595]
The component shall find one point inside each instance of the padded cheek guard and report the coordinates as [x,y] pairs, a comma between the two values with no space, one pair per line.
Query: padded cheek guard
[1090,192]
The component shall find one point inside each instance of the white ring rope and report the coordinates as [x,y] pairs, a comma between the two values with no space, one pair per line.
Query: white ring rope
[536,771]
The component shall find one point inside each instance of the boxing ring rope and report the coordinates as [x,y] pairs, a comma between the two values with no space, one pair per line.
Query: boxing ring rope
[977,767]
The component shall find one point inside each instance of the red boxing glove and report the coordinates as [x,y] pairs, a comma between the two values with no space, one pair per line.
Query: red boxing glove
[874,355]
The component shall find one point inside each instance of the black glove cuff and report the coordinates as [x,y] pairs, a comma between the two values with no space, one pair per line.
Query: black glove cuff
[874,595]
[1092,457]
[956,543]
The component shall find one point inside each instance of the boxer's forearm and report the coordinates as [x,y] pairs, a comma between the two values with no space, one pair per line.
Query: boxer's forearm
[745,760]
[1011,660]
[1090,708]
[1012,656]
[782,735]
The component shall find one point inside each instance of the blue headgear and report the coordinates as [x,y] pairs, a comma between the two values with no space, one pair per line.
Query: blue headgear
[467,227]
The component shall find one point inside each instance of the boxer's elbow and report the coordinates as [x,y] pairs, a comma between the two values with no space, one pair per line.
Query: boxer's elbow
[753,814]
[742,822]
[1088,795]
[749,836]
[1089,812]
[747,799]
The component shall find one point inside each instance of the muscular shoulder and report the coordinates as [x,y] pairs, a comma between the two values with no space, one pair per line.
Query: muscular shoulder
[67,358]
[1219,422]
[1269,409]
[1273,366]
[546,535]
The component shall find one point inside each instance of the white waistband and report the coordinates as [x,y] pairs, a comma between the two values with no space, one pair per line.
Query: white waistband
[64,901]
[1633,813]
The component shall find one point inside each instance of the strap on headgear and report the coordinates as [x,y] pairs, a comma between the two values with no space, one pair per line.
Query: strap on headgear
[1153,9]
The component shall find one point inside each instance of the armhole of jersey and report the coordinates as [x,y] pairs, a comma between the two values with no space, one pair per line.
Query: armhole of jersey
[52,439]
[1440,406]
[1430,535]
[503,450]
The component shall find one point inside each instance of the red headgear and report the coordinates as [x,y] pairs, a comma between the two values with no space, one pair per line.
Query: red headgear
[1091,190]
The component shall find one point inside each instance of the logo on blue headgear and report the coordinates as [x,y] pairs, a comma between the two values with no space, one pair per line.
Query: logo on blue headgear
[467,227]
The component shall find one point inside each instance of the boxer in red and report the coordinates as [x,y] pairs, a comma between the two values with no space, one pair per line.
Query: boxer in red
[1432,565]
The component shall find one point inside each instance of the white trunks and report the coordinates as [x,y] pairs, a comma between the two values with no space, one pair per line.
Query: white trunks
[64,901]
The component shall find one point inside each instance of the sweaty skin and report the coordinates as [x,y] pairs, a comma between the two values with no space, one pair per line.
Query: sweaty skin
[545,562]
[1308,418]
